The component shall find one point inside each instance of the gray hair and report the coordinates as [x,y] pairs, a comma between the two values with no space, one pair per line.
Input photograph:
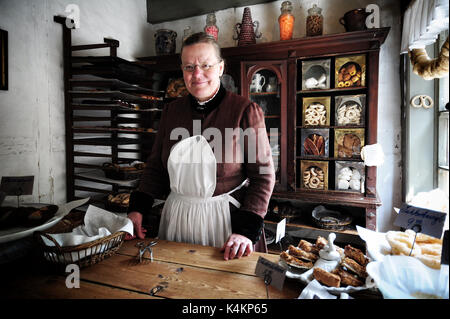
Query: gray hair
[202,37]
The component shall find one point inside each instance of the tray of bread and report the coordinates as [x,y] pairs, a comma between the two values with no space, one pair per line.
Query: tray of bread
[345,272]
[123,171]
[17,223]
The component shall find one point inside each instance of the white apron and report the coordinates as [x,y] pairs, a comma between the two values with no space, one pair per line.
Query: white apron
[191,214]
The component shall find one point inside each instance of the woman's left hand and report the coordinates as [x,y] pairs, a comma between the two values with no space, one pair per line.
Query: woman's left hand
[237,246]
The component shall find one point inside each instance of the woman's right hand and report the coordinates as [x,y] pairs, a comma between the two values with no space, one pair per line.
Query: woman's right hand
[139,231]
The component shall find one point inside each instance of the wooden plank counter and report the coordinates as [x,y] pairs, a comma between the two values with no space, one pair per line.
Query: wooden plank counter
[179,271]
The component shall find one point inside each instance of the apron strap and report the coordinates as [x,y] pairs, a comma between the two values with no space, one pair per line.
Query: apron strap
[233,200]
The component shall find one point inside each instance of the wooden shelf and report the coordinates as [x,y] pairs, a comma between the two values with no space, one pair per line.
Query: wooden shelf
[106,141]
[330,197]
[333,90]
[350,231]
[94,129]
[329,126]
[114,84]
[318,158]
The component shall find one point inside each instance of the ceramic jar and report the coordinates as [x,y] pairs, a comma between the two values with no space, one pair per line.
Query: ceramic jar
[165,41]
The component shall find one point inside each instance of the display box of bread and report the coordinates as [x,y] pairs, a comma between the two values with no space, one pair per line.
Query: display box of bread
[350,176]
[350,71]
[316,111]
[348,142]
[314,175]
[315,142]
[316,74]
[123,171]
[350,109]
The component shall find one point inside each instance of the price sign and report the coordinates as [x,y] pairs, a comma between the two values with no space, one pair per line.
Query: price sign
[273,274]
[17,185]
[281,230]
[421,220]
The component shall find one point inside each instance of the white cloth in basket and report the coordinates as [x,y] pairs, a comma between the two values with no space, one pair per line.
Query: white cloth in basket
[98,223]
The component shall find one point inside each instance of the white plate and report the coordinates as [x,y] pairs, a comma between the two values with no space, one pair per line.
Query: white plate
[16,233]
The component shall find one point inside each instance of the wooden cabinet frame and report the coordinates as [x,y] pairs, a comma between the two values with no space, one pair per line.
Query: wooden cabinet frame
[242,62]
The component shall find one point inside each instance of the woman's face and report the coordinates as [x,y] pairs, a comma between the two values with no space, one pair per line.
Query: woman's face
[202,84]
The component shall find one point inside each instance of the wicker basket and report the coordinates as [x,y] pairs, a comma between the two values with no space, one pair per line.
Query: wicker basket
[84,254]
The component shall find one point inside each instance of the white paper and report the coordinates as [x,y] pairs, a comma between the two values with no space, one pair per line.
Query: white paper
[377,244]
[405,277]
[372,155]
[281,230]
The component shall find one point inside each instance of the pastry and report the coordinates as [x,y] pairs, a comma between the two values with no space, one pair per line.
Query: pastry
[356,254]
[315,114]
[351,145]
[349,75]
[314,145]
[295,261]
[300,253]
[347,279]
[354,267]
[308,247]
[426,248]
[313,178]
[326,278]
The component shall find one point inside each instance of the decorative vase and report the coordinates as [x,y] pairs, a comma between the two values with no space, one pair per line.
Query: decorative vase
[248,29]
[286,21]
[211,27]
[314,21]
[165,41]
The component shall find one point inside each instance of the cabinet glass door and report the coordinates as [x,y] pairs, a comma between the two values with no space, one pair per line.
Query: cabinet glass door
[263,84]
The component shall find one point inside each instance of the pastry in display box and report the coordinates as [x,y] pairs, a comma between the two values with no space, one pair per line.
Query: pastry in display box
[350,71]
[348,142]
[315,142]
[316,111]
[314,175]
[316,74]
[350,109]
[350,176]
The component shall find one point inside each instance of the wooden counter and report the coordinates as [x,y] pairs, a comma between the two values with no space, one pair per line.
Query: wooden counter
[179,271]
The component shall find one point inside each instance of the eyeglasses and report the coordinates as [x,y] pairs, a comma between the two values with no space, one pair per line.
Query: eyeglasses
[204,67]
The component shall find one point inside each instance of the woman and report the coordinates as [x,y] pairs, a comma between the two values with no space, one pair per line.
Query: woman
[217,198]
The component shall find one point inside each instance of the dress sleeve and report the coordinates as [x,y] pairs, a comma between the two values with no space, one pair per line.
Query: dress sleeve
[154,181]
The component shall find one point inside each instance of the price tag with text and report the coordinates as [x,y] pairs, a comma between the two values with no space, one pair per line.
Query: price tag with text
[421,220]
[281,230]
[17,185]
[273,274]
